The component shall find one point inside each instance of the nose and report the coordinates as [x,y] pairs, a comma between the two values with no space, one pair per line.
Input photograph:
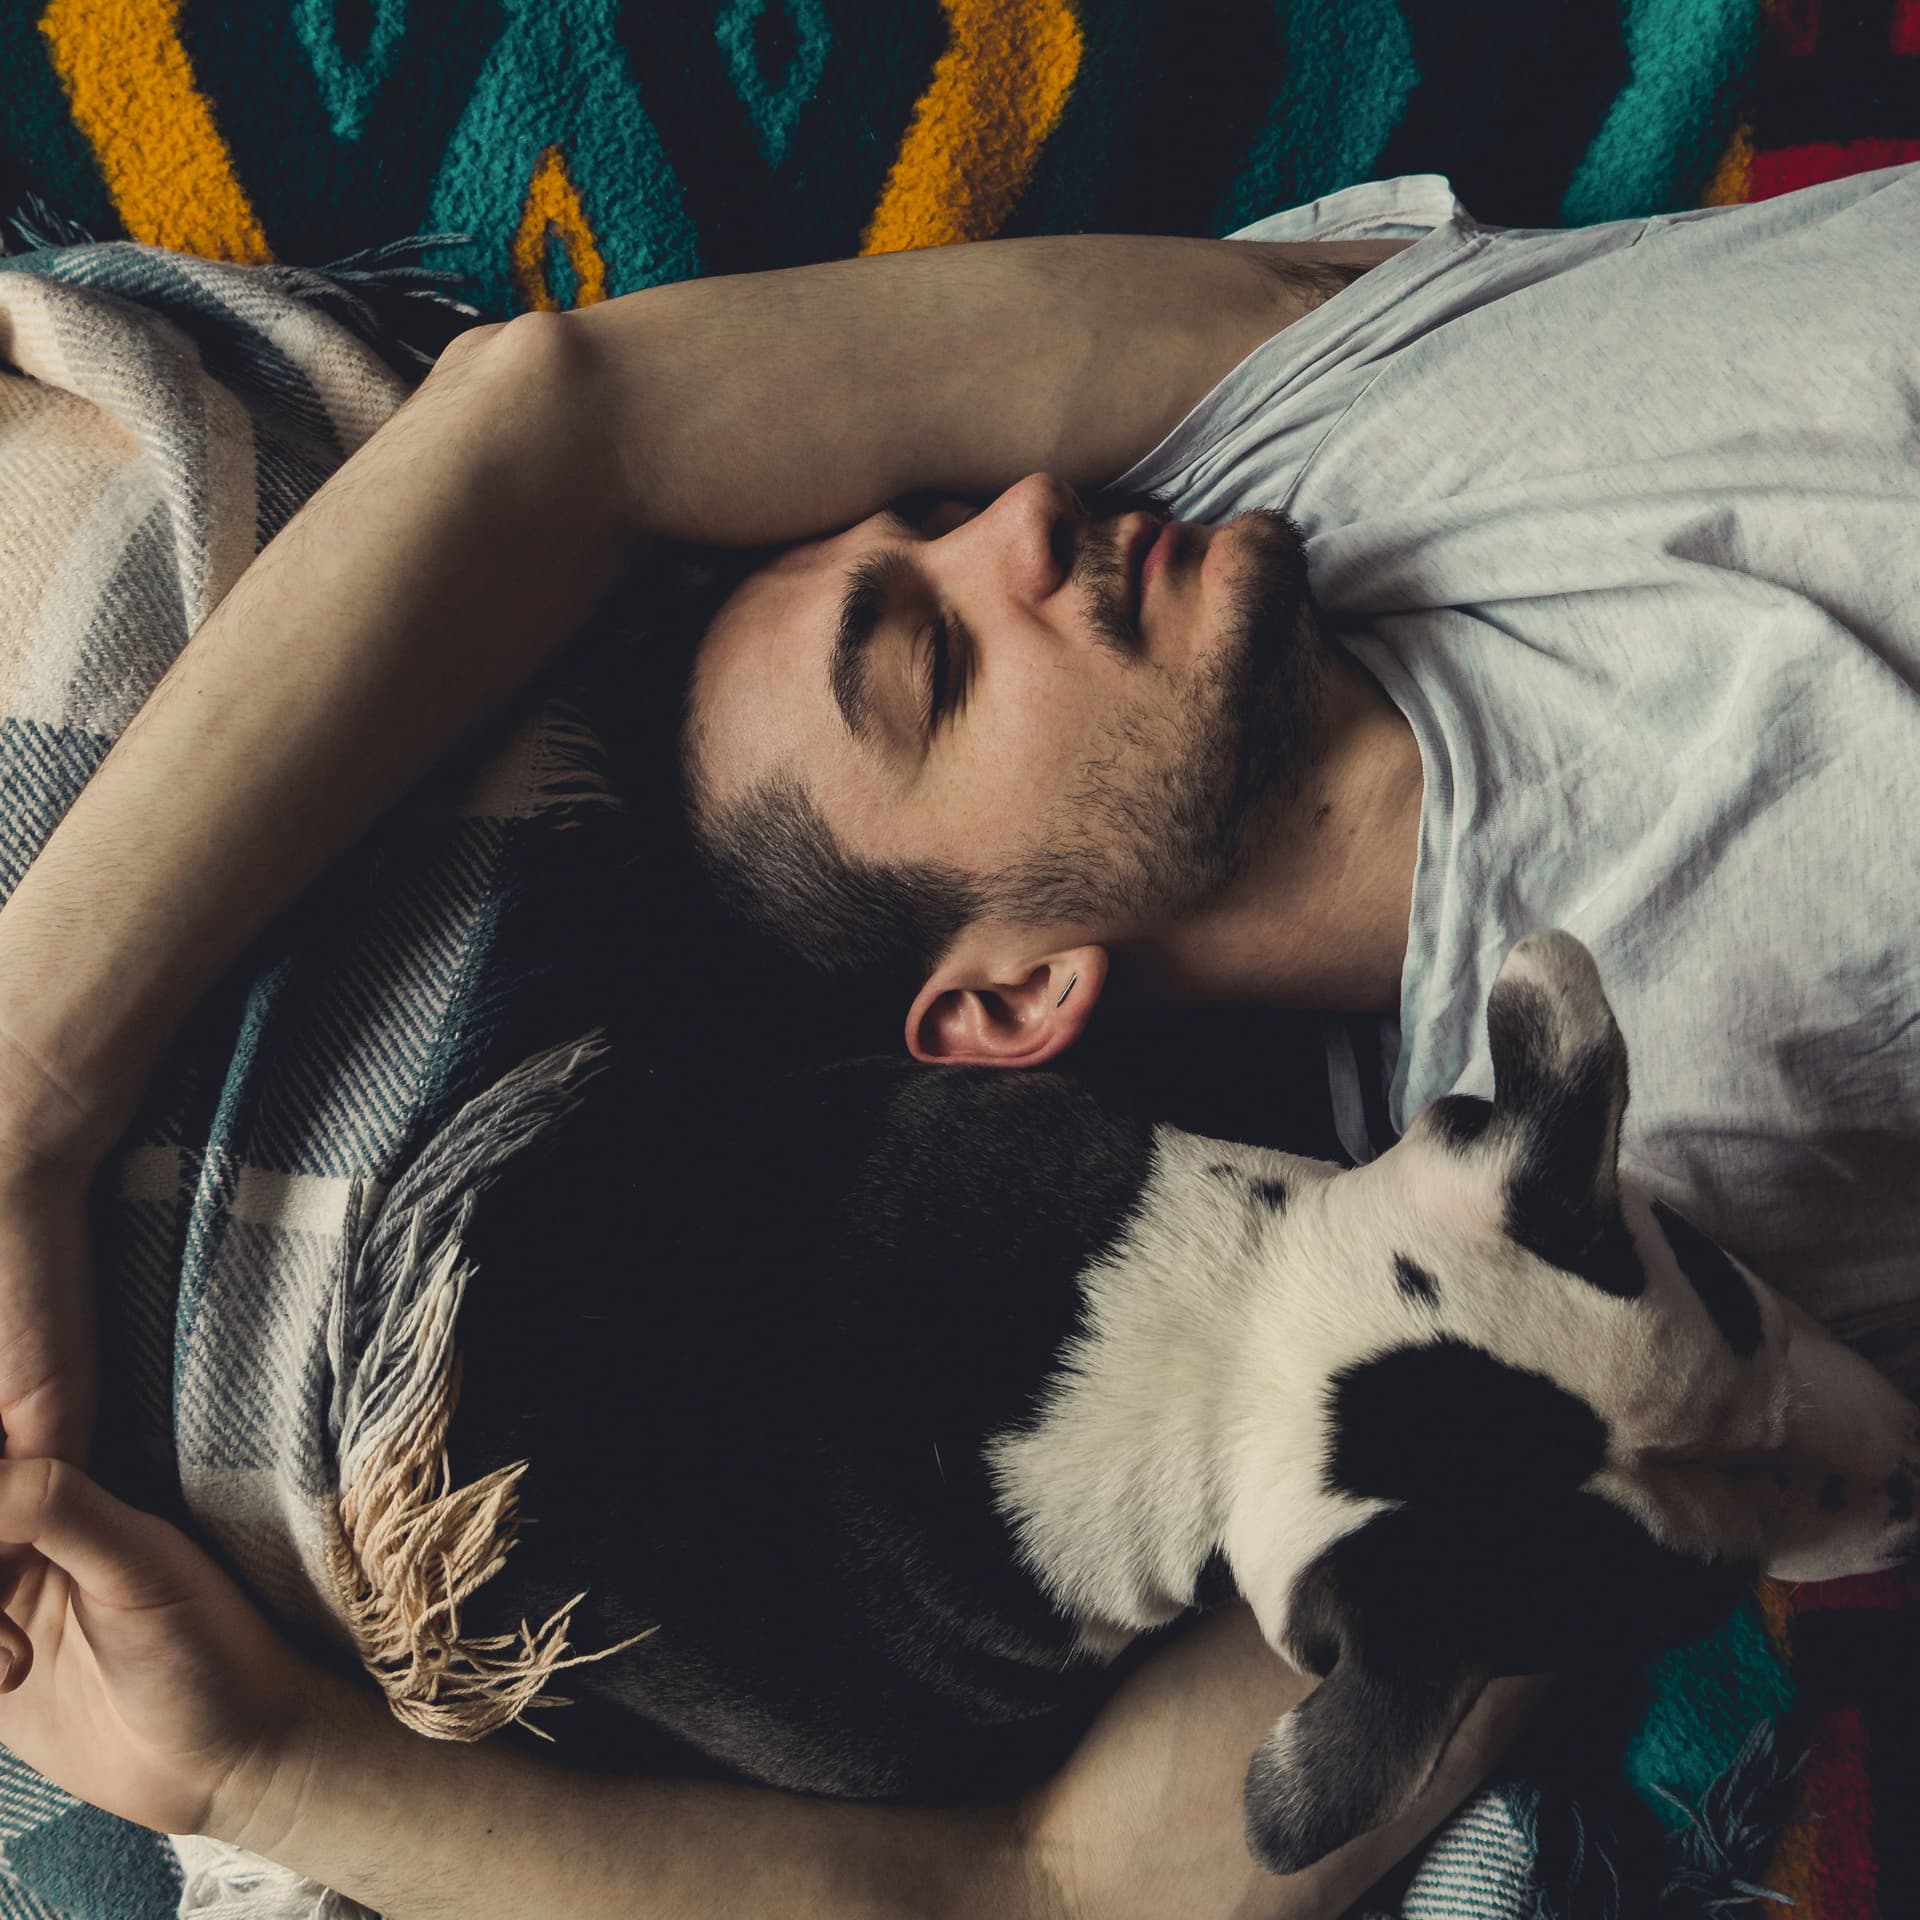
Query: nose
[1852,1460]
[1021,545]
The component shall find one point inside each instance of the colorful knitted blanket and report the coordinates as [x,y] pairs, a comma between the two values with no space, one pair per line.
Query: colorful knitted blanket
[295,1185]
[595,146]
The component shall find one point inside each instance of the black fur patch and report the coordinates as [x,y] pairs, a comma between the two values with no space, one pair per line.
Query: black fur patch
[1447,1421]
[1214,1585]
[1269,1193]
[1224,1170]
[1459,1119]
[1415,1281]
[1590,1243]
[759,1427]
[1899,1490]
[1722,1288]
[1833,1493]
[1529,1585]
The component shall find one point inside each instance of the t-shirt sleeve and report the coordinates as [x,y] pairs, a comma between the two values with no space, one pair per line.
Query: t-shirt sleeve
[1406,208]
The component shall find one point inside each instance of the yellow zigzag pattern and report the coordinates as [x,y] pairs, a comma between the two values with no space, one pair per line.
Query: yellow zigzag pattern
[553,211]
[996,96]
[135,99]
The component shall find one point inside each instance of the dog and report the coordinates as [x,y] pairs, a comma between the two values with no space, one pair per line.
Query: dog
[907,1405]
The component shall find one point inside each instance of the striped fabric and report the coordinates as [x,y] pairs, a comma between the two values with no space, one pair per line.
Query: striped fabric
[278,1245]
[1481,1870]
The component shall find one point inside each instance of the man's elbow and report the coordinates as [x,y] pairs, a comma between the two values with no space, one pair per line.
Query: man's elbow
[533,377]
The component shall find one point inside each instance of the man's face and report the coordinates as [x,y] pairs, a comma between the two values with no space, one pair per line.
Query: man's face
[1093,724]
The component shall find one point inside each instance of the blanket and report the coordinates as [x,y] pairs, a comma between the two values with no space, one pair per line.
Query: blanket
[594,146]
[278,1239]
[273,1310]
[278,1242]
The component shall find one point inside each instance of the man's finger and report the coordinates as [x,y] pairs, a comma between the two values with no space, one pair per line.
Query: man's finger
[14,1563]
[54,1421]
[114,1553]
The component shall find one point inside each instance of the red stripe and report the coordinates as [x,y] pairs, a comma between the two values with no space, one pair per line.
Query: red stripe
[1786,168]
[1899,1587]
[1837,1790]
[1905,37]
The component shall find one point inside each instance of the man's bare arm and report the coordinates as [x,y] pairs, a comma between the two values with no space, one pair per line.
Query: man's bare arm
[409,599]
[429,579]
[1144,1823]
[771,406]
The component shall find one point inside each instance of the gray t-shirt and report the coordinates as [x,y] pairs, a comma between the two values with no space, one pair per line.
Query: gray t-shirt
[1626,522]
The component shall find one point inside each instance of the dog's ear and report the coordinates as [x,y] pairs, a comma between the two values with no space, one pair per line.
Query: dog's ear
[1352,1756]
[1358,1750]
[1560,1088]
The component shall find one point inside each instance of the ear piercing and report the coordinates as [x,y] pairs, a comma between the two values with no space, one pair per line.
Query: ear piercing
[1064,991]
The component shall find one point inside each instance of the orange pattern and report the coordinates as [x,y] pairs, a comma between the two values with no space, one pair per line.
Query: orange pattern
[996,96]
[1732,182]
[553,212]
[134,97]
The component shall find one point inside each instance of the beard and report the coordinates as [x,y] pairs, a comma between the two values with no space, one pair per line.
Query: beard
[1182,787]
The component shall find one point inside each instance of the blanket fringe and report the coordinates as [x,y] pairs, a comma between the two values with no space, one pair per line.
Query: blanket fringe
[570,762]
[410,1546]
[403,310]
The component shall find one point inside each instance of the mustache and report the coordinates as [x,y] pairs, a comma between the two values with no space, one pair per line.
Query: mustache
[1097,566]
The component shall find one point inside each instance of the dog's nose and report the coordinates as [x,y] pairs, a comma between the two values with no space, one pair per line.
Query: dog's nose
[1852,1464]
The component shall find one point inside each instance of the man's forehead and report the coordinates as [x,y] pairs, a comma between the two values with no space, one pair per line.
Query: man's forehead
[787,601]
[778,620]
[760,690]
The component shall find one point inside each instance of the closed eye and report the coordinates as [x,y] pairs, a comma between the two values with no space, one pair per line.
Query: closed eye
[938,675]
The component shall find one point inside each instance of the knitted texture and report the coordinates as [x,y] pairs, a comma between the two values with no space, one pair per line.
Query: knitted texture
[596,146]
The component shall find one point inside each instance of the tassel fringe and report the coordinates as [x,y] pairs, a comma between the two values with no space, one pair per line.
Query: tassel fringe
[410,1547]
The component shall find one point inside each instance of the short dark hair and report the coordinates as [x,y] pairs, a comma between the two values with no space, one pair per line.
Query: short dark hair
[769,857]
[776,864]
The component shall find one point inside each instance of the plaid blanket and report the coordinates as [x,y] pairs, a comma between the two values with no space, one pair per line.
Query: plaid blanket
[278,1241]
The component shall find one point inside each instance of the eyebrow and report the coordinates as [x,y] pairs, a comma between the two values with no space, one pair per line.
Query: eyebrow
[864,595]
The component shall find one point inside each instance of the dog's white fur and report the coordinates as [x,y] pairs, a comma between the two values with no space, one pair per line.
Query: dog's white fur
[1191,1415]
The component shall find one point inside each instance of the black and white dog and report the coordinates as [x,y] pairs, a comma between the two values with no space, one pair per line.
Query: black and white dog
[905,1402]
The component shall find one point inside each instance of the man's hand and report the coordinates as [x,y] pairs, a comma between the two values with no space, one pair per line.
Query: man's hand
[1145,1820]
[49,1367]
[51,1145]
[143,1680]
[50,1148]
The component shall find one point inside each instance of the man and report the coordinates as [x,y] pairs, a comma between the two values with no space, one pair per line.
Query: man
[1617,530]
[785,406]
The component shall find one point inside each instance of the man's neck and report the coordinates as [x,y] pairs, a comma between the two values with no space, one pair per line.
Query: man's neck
[1320,917]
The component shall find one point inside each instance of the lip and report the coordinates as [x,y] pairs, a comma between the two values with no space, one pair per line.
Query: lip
[1142,550]
[1159,555]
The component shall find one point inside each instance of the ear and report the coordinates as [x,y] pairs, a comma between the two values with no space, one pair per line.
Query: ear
[973,1012]
[1560,1089]
[1354,1754]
